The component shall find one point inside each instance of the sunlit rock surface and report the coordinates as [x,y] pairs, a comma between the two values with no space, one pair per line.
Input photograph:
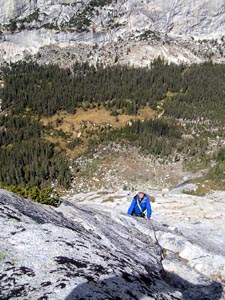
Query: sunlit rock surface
[199,18]
[126,31]
[89,248]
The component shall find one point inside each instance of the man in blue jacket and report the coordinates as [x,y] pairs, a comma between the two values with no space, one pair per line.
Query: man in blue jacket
[139,205]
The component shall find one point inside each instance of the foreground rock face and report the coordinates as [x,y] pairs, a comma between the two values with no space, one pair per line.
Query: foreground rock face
[81,252]
[131,32]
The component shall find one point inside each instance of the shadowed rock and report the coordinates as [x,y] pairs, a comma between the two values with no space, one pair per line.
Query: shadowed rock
[77,252]
[131,287]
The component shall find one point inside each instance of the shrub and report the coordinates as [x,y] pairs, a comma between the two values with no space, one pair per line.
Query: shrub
[45,196]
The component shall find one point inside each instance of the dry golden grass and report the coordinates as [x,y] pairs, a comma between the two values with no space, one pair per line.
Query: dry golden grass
[147,113]
[72,123]
[170,94]
[77,124]
[218,277]
[110,199]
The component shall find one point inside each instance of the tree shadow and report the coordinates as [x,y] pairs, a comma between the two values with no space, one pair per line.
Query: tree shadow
[126,287]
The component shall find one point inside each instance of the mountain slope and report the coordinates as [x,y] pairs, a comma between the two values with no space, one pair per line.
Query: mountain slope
[202,19]
[130,32]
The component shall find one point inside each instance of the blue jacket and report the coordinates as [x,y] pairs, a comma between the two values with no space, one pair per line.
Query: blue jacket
[144,204]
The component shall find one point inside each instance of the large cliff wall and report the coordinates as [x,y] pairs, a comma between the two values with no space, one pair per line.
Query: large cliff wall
[200,18]
[11,9]
[177,30]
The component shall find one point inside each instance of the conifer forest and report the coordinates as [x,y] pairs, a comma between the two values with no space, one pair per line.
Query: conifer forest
[187,100]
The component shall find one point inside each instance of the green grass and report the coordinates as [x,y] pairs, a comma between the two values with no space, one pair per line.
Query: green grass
[205,186]
[109,199]
[2,255]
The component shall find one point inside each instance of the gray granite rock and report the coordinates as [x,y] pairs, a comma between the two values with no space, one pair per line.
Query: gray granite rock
[86,252]
[127,32]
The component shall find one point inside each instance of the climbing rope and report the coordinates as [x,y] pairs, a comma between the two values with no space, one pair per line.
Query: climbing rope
[162,254]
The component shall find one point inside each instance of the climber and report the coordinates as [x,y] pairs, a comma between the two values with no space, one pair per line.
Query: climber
[140,206]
